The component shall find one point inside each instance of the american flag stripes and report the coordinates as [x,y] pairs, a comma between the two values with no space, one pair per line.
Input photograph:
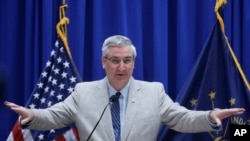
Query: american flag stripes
[56,82]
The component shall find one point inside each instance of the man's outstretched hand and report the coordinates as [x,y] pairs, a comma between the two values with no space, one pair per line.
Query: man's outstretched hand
[25,113]
[216,116]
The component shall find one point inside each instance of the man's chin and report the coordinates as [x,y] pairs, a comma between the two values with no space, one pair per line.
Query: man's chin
[121,78]
[122,81]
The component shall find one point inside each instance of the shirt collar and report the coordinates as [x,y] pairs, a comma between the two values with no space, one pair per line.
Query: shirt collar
[123,91]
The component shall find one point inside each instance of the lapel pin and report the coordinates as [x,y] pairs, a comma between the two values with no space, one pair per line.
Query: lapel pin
[133,100]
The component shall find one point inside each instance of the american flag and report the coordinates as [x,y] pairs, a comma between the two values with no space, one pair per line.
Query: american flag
[56,82]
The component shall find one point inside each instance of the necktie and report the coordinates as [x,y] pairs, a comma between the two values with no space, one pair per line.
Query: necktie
[115,112]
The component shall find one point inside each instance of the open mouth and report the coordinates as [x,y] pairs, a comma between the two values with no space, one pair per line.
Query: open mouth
[120,75]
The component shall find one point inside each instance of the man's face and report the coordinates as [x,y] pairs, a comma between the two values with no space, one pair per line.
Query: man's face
[119,66]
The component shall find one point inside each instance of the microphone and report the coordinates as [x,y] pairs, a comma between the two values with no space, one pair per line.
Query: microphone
[113,98]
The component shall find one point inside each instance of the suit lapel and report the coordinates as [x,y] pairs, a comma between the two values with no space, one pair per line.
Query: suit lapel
[102,100]
[132,107]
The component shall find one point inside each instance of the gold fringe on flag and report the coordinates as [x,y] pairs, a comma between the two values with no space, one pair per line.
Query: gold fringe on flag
[218,5]
[61,26]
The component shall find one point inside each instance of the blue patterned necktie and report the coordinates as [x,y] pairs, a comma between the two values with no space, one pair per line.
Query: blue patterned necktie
[115,112]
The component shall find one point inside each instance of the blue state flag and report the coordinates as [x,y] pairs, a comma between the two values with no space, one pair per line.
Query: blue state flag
[216,81]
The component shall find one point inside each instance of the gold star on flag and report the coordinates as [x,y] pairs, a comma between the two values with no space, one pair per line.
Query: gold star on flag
[212,95]
[232,101]
[193,102]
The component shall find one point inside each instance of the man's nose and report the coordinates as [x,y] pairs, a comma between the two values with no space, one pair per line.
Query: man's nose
[121,65]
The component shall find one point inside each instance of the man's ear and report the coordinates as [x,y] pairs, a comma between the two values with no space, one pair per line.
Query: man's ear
[103,66]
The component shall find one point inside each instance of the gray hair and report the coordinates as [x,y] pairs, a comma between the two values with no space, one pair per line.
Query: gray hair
[117,40]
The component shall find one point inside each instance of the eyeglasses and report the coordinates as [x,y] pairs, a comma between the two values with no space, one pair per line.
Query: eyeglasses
[117,61]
